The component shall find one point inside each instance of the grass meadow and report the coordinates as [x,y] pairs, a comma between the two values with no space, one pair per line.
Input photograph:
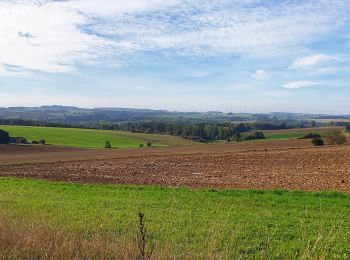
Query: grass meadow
[282,136]
[89,138]
[41,219]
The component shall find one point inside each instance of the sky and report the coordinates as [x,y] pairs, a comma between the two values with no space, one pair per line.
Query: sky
[253,56]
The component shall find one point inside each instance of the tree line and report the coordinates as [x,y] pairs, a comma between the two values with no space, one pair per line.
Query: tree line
[203,132]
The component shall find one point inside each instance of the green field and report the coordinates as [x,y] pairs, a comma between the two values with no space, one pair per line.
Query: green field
[86,138]
[180,222]
[286,135]
[292,134]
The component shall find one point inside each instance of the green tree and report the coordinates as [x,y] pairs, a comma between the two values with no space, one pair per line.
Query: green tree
[108,144]
[4,137]
[348,128]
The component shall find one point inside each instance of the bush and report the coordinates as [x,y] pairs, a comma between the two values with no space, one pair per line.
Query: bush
[42,141]
[4,137]
[311,135]
[108,145]
[18,140]
[336,137]
[255,136]
[21,140]
[237,137]
[317,141]
[149,143]
[35,142]
[141,145]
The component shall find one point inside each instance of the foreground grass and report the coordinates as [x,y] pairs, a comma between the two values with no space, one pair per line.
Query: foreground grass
[47,219]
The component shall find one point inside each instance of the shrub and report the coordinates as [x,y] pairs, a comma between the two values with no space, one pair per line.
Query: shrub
[237,137]
[141,145]
[35,142]
[256,135]
[21,140]
[149,143]
[42,141]
[4,137]
[311,135]
[336,137]
[18,140]
[108,144]
[317,141]
[228,140]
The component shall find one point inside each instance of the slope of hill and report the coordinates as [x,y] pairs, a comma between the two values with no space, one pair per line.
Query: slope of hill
[78,115]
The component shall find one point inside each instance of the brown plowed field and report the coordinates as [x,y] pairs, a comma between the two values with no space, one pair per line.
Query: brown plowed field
[217,166]
[35,153]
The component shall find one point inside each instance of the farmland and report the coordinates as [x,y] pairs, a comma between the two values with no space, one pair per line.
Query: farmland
[287,134]
[19,154]
[174,130]
[306,169]
[276,199]
[86,138]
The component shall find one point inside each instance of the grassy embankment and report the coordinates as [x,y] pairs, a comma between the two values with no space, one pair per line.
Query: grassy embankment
[86,138]
[270,136]
[282,135]
[57,220]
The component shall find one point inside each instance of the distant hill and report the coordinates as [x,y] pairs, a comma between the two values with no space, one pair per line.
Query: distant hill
[71,114]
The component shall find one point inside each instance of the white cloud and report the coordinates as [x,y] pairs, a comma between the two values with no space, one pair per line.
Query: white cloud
[301,84]
[311,60]
[56,36]
[260,74]
[2,69]
[44,37]
[198,74]
[326,70]
[225,27]
[113,8]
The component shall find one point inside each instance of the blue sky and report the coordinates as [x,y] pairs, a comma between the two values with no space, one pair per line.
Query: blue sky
[185,55]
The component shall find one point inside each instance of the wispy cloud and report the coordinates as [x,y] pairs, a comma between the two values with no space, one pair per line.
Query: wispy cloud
[326,70]
[198,74]
[260,74]
[56,43]
[57,36]
[301,84]
[312,60]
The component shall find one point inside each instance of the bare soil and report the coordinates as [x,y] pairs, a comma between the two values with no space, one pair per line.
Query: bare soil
[13,154]
[246,166]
